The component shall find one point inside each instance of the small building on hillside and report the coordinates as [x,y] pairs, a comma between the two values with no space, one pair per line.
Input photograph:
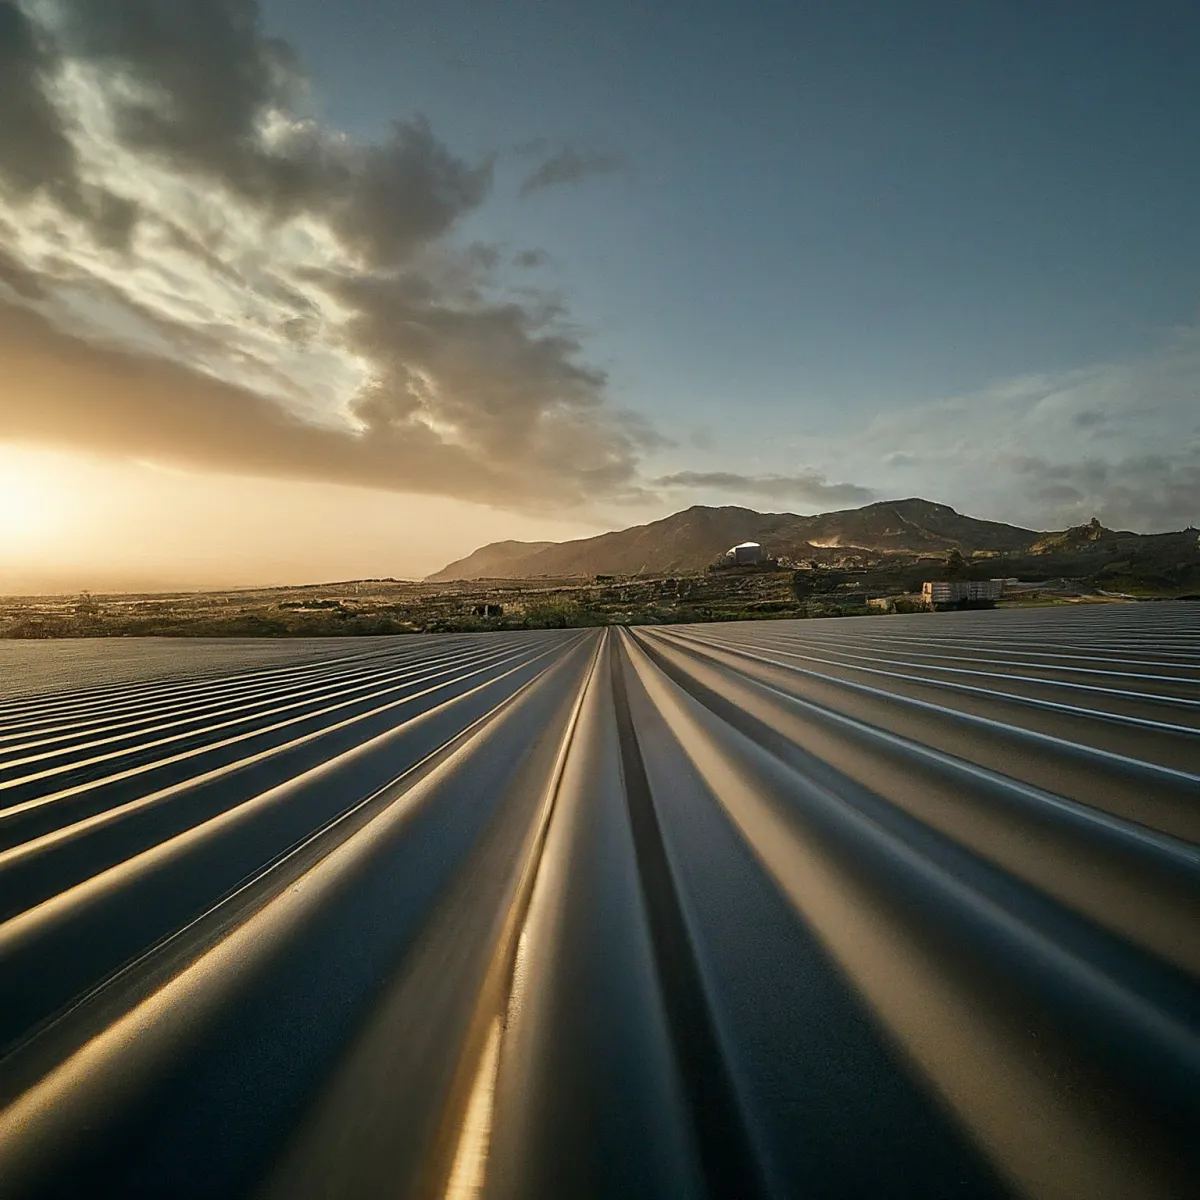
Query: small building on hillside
[745,554]
[952,591]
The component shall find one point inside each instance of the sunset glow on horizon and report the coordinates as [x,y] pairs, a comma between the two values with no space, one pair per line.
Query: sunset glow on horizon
[291,290]
[70,523]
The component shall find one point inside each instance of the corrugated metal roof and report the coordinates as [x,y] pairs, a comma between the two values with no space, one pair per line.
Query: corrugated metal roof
[870,907]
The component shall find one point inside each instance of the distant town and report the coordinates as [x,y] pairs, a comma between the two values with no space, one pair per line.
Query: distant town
[746,588]
[911,556]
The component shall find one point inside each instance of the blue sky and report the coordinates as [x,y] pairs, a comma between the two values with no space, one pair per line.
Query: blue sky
[829,209]
[537,270]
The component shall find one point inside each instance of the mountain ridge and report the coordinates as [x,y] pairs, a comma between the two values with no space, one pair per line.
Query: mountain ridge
[694,537]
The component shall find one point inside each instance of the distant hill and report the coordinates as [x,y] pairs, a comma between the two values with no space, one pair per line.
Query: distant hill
[494,561]
[692,539]
[1078,537]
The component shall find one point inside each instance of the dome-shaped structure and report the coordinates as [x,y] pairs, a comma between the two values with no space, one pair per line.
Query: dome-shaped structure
[745,553]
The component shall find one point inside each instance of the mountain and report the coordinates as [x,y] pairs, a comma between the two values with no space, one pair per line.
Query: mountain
[692,539]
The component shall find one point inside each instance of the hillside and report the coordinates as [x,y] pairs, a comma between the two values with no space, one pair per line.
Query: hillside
[494,560]
[692,539]
[1078,537]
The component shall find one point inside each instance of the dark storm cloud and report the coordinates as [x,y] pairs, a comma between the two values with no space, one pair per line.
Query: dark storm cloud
[207,79]
[809,486]
[466,395]
[18,278]
[509,385]
[35,152]
[36,155]
[205,71]
[571,165]
[407,191]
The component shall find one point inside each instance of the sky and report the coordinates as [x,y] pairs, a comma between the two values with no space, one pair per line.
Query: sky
[298,291]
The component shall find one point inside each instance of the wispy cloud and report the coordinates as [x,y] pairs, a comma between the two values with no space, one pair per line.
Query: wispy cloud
[569,165]
[1117,440]
[810,487]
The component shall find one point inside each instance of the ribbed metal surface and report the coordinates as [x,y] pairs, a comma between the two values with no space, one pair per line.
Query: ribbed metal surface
[873,907]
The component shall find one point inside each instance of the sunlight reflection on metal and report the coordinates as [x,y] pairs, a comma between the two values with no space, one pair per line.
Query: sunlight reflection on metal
[608,913]
[470,1160]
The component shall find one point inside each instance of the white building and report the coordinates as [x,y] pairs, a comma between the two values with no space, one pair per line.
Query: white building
[953,590]
[745,553]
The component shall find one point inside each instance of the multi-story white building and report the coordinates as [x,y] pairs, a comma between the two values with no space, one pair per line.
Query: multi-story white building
[950,591]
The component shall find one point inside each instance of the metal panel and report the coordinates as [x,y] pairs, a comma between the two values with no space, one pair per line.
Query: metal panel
[902,906]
